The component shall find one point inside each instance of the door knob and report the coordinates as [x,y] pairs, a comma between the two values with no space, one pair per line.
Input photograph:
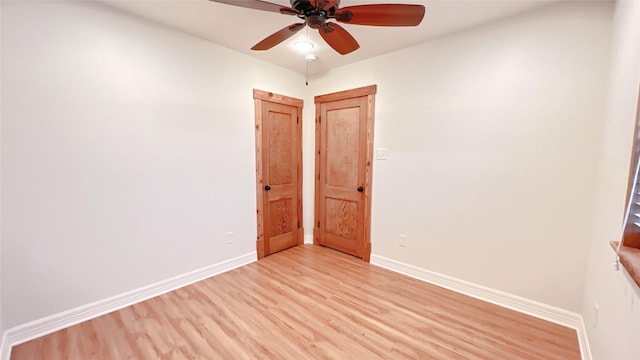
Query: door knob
[267,188]
[360,189]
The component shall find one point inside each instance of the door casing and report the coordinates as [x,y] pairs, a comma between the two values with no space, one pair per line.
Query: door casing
[260,97]
[369,93]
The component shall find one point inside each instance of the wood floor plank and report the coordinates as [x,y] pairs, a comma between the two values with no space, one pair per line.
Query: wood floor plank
[308,302]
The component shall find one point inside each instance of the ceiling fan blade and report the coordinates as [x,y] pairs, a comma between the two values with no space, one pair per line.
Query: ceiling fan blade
[338,38]
[323,4]
[381,15]
[259,5]
[278,37]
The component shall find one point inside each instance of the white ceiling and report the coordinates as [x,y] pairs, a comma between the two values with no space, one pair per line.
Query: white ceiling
[240,28]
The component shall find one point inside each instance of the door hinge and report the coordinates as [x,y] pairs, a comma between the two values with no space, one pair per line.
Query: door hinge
[298,120]
[298,224]
[320,119]
[318,224]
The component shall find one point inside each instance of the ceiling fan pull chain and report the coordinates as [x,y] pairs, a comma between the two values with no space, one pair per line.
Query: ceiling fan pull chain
[306,64]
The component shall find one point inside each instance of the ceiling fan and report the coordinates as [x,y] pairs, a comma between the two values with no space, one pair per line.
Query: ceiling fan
[315,14]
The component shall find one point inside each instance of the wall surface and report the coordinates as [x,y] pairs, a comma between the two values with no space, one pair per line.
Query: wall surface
[491,138]
[1,313]
[613,330]
[127,154]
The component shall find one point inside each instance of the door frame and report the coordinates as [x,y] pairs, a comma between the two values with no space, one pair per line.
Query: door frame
[260,96]
[370,92]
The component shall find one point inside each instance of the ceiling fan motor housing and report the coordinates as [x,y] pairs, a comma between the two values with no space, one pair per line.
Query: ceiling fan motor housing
[316,21]
[305,5]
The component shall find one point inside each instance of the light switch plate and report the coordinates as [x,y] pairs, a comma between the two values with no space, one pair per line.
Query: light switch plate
[381,154]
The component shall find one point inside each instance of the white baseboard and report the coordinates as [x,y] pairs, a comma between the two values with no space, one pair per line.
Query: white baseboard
[23,333]
[510,301]
[308,239]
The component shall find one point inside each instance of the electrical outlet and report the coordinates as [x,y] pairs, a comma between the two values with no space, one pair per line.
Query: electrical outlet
[403,240]
[230,237]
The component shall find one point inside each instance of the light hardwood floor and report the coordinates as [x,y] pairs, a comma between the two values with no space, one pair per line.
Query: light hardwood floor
[308,302]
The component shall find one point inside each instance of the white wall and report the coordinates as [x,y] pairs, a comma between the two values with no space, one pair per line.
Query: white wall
[491,136]
[613,333]
[127,154]
[1,314]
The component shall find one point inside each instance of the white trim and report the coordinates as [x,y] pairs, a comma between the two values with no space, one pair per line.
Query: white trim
[583,340]
[510,301]
[22,333]
[308,239]
[5,349]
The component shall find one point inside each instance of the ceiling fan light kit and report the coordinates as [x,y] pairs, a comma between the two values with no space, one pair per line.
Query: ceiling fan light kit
[316,13]
[303,45]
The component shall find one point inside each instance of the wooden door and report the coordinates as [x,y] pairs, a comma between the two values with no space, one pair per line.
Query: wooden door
[279,172]
[344,150]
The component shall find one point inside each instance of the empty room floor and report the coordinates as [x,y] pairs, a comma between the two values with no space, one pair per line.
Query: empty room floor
[309,302]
